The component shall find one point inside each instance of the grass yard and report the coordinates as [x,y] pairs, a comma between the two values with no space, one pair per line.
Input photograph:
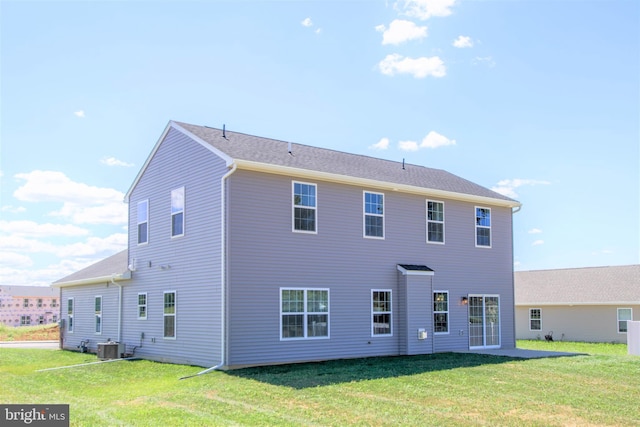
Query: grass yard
[601,388]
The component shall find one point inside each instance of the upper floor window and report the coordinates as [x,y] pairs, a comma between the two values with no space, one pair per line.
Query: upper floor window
[25,303]
[177,212]
[624,314]
[374,215]
[54,302]
[304,313]
[441,312]
[39,304]
[483,227]
[98,314]
[143,222]
[381,312]
[435,221]
[535,319]
[304,207]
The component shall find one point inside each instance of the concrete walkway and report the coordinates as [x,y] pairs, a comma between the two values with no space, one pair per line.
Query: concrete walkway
[523,353]
[48,345]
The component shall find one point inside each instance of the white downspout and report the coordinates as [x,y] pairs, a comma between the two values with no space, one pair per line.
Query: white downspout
[119,308]
[223,269]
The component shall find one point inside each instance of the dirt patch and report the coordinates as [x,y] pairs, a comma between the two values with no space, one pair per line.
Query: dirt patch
[30,333]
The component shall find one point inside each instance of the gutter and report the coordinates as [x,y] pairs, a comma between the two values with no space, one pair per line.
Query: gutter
[94,280]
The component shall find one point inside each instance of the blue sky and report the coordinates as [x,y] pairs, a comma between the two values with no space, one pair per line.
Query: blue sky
[537,100]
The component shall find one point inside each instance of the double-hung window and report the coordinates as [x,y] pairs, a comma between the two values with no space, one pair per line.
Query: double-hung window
[143,222]
[177,212]
[441,312]
[304,313]
[142,305]
[25,303]
[70,315]
[535,319]
[373,215]
[25,320]
[435,221]
[381,312]
[169,314]
[98,314]
[39,303]
[624,314]
[483,227]
[304,207]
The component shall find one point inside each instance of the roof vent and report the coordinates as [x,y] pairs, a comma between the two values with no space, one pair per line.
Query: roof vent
[224,131]
[403,164]
[289,148]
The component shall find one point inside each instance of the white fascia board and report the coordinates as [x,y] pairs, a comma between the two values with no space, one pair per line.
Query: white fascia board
[574,304]
[173,125]
[371,183]
[94,280]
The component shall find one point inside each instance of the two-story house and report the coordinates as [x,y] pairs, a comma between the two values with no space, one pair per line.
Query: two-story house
[29,305]
[246,250]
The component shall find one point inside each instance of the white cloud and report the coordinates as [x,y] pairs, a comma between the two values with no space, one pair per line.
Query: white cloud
[432,140]
[112,161]
[33,229]
[383,144]
[463,41]
[79,113]
[408,146]
[535,231]
[307,22]
[318,30]
[92,246]
[418,67]
[14,260]
[507,187]
[435,140]
[13,209]
[424,9]
[538,243]
[82,203]
[484,60]
[400,31]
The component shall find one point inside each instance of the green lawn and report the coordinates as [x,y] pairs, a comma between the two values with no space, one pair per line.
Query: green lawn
[598,388]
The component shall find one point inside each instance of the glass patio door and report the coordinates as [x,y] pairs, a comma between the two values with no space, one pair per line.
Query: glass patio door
[484,321]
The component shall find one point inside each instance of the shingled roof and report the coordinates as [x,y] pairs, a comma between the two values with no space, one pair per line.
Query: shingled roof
[113,267]
[254,150]
[576,286]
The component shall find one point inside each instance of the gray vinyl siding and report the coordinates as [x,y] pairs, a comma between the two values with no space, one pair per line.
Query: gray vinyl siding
[84,315]
[264,255]
[190,265]
[583,323]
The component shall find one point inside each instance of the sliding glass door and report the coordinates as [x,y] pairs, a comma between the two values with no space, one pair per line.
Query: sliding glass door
[484,321]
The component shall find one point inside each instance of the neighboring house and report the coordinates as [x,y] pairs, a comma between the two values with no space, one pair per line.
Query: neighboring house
[589,304]
[29,305]
[249,251]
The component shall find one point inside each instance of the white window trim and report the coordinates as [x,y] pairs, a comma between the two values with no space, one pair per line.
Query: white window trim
[175,315]
[98,315]
[619,320]
[306,314]
[365,214]
[475,222]
[373,334]
[142,222]
[447,313]
[293,208]
[70,316]
[530,319]
[183,211]
[146,305]
[436,222]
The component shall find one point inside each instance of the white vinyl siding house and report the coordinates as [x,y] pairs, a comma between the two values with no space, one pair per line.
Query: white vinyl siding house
[262,281]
